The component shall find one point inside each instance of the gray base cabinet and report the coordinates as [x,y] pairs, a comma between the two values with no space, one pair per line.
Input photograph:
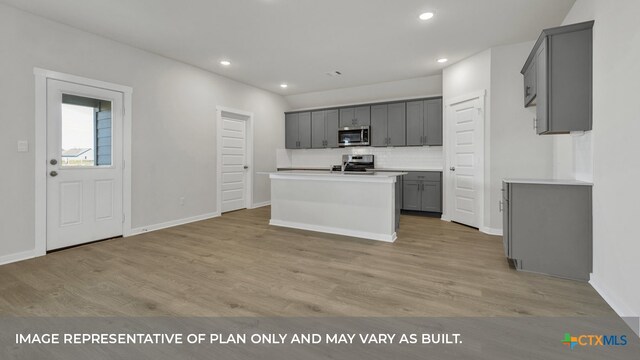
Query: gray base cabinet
[558,79]
[298,130]
[422,191]
[548,228]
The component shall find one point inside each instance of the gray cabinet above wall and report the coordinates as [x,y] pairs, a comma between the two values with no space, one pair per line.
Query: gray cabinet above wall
[424,122]
[558,79]
[388,125]
[355,116]
[298,130]
[415,122]
[324,129]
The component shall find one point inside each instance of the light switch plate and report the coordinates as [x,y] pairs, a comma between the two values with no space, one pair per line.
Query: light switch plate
[23,146]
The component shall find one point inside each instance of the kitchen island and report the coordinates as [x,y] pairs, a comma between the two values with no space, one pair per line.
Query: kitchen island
[363,205]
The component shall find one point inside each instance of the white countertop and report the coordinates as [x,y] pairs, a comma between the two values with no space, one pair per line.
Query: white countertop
[548,182]
[336,176]
[410,169]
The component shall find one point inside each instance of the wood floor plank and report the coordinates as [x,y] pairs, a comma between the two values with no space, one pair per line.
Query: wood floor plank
[238,265]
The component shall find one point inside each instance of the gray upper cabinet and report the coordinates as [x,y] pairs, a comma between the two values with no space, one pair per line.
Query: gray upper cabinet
[298,130]
[529,84]
[291,126]
[433,122]
[355,116]
[424,122]
[324,129]
[388,125]
[558,79]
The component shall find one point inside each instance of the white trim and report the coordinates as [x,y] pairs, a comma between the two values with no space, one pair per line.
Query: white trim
[24,255]
[173,223]
[262,204]
[491,231]
[249,185]
[48,74]
[480,97]
[334,230]
[41,76]
[624,311]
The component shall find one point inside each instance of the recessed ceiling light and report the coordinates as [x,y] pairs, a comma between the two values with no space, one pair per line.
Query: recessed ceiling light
[284,86]
[225,62]
[442,60]
[426,16]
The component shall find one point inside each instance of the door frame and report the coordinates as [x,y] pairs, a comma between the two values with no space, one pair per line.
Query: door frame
[248,191]
[41,77]
[449,198]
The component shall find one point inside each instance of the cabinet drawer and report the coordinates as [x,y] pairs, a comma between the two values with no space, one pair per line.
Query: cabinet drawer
[423,176]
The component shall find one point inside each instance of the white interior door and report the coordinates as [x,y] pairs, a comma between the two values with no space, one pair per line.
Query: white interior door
[465,162]
[234,149]
[84,164]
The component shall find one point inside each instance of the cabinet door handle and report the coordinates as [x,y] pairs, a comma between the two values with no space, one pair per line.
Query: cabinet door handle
[500,206]
[527,91]
[535,124]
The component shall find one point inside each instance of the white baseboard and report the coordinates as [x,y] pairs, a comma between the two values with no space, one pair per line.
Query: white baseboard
[23,255]
[333,230]
[627,314]
[168,224]
[491,231]
[262,204]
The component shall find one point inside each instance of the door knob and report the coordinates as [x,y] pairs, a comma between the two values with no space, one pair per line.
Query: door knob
[53,173]
[245,167]
[53,161]
[453,168]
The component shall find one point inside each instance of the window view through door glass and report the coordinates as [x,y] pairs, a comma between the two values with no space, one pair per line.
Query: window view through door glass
[86,132]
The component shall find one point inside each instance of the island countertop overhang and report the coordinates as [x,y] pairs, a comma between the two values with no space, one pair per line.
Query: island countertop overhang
[378,177]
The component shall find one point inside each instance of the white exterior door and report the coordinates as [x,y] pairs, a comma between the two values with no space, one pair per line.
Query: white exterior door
[465,162]
[234,149]
[84,164]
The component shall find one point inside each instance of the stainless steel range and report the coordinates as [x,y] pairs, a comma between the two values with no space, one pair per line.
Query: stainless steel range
[357,163]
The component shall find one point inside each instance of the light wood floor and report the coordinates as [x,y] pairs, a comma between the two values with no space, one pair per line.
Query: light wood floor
[237,265]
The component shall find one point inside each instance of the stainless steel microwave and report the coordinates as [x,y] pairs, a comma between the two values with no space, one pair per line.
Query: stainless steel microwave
[354,136]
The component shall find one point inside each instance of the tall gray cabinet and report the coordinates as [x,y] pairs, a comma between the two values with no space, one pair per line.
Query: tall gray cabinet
[558,79]
[298,130]
[388,125]
[547,227]
[424,122]
[324,129]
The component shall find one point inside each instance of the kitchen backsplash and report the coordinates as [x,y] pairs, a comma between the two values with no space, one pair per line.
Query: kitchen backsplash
[391,158]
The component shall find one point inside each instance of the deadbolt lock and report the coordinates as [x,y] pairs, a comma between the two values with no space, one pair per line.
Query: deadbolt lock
[53,162]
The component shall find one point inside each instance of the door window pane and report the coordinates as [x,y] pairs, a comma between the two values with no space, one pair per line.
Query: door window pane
[86,132]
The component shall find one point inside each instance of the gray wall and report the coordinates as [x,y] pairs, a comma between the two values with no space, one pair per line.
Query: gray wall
[174,114]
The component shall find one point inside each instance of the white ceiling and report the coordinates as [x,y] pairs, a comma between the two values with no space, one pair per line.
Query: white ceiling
[298,41]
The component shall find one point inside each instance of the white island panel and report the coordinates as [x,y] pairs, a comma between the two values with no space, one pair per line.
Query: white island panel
[361,206]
